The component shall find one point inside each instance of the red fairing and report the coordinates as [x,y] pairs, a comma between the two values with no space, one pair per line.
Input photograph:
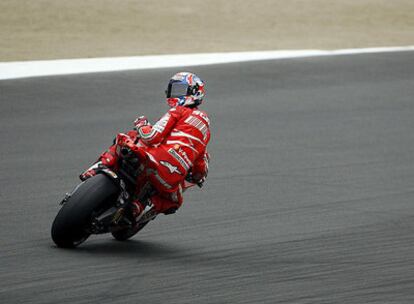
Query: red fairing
[167,201]
[173,146]
[108,158]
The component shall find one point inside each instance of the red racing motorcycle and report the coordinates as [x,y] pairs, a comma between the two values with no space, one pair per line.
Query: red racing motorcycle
[102,203]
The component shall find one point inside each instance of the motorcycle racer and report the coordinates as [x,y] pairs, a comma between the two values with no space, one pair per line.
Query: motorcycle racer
[175,147]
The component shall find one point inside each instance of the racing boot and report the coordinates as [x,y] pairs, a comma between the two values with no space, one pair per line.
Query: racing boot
[137,210]
[143,212]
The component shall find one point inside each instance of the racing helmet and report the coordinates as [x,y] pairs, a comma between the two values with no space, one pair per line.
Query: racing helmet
[185,89]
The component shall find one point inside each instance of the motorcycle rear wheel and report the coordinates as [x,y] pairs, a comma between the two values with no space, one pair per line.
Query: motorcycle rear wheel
[69,229]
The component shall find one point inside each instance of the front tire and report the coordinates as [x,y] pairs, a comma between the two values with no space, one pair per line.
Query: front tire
[69,226]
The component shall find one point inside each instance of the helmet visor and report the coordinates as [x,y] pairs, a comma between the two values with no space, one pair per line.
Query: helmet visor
[177,89]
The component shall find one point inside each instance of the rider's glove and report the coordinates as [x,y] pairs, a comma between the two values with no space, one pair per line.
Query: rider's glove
[195,179]
[140,122]
[199,179]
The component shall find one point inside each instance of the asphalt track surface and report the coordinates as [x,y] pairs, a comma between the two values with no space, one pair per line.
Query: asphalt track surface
[310,197]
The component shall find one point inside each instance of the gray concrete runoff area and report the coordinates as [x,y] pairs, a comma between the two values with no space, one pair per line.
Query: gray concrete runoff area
[310,197]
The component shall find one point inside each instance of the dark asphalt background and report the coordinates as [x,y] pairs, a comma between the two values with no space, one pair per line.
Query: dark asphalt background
[310,197]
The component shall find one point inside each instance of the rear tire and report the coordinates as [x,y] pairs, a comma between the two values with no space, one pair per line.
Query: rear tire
[69,226]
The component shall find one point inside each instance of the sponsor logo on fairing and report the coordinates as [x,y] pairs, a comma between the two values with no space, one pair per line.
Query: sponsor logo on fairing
[172,168]
[185,156]
[179,158]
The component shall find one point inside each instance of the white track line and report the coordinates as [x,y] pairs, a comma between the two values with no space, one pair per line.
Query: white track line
[23,69]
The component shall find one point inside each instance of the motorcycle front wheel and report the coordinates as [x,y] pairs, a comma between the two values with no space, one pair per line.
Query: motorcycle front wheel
[69,229]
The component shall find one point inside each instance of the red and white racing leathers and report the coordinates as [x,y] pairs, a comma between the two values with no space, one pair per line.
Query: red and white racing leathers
[175,145]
